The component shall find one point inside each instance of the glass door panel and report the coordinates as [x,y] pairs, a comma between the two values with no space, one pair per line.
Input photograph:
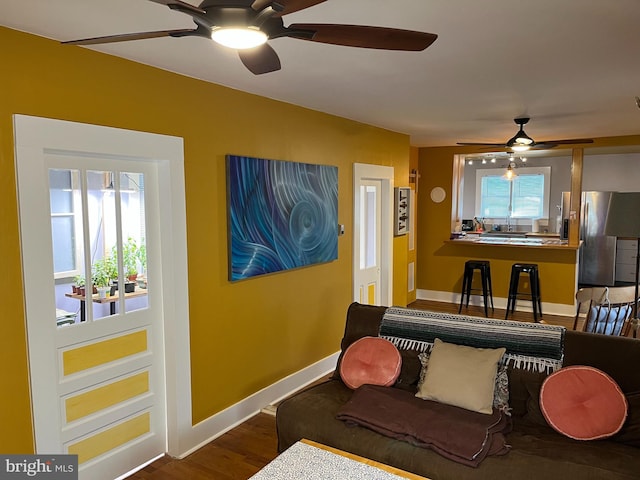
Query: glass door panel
[134,252]
[368,220]
[93,213]
[102,238]
[68,252]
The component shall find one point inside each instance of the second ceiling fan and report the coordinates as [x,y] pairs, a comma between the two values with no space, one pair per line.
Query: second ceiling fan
[246,25]
[521,141]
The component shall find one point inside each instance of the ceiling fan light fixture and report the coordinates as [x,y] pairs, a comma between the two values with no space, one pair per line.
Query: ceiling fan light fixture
[520,148]
[239,38]
[523,139]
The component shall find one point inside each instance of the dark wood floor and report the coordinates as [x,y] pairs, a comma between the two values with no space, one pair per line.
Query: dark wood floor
[236,455]
[243,451]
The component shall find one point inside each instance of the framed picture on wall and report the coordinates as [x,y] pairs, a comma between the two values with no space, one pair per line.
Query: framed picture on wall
[281,215]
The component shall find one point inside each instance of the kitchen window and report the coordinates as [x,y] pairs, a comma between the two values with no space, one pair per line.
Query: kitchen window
[525,196]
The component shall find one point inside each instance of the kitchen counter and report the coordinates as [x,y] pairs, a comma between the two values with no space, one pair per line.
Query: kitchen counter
[514,239]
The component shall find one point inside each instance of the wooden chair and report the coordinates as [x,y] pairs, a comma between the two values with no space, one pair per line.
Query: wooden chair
[605,310]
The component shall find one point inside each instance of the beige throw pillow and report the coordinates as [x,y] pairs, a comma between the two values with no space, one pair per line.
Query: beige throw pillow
[461,376]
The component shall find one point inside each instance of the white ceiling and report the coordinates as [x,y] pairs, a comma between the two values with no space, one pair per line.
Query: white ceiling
[573,66]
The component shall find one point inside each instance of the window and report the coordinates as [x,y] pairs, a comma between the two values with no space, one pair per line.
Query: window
[94,215]
[525,196]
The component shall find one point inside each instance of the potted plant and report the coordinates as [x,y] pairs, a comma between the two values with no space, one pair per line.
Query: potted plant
[101,277]
[130,257]
[78,286]
[142,257]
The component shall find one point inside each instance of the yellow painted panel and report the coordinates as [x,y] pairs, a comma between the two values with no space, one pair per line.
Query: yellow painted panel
[102,352]
[372,293]
[109,439]
[103,397]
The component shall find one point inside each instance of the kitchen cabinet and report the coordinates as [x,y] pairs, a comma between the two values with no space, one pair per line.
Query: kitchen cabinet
[626,252]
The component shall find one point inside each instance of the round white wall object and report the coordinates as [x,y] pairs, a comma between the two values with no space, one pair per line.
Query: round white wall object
[438,194]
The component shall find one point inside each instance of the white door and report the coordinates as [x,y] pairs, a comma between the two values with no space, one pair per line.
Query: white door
[370,238]
[373,235]
[96,359]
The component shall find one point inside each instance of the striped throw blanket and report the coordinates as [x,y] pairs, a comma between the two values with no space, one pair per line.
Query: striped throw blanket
[529,346]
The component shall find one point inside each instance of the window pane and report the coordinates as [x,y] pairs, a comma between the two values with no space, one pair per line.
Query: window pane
[66,236]
[528,196]
[495,194]
[371,228]
[368,221]
[102,241]
[60,191]
[64,248]
[134,253]
[521,197]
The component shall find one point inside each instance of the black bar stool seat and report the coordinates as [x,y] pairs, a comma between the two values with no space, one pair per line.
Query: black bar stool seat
[485,275]
[530,269]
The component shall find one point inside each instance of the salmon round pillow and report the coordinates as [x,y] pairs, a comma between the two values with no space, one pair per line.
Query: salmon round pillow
[370,360]
[583,403]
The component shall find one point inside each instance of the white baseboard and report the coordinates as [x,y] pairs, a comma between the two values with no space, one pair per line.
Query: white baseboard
[218,424]
[498,302]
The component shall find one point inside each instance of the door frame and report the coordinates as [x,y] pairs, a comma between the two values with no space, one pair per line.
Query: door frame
[32,135]
[363,171]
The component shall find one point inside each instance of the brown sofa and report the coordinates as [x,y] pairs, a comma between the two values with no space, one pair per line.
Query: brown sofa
[537,451]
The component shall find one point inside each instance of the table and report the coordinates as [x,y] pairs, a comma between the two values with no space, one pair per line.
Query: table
[310,460]
[111,300]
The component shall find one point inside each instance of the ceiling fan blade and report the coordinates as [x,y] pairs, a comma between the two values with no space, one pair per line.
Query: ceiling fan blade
[285,7]
[259,60]
[179,5]
[569,141]
[481,144]
[362,36]
[125,37]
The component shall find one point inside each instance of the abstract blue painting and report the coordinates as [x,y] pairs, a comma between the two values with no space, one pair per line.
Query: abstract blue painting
[281,215]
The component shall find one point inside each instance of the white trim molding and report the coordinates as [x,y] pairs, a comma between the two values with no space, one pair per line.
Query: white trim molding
[220,423]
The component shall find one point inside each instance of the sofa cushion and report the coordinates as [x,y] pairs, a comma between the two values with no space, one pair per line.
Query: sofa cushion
[629,434]
[362,321]
[583,403]
[461,376]
[536,453]
[410,371]
[370,360]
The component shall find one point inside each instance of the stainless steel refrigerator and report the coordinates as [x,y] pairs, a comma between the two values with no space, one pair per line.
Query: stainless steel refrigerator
[598,251]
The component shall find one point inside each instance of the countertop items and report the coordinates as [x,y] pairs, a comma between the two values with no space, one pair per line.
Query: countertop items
[520,239]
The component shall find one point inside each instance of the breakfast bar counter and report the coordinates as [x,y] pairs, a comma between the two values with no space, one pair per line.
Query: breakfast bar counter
[557,262]
[542,241]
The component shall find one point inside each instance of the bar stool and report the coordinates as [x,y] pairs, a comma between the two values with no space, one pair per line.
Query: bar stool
[485,275]
[534,281]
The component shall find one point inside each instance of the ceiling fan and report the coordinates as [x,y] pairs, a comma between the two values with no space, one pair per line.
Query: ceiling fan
[521,141]
[246,25]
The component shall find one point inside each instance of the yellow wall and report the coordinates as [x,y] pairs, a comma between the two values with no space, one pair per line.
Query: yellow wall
[440,265]
[245,335]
